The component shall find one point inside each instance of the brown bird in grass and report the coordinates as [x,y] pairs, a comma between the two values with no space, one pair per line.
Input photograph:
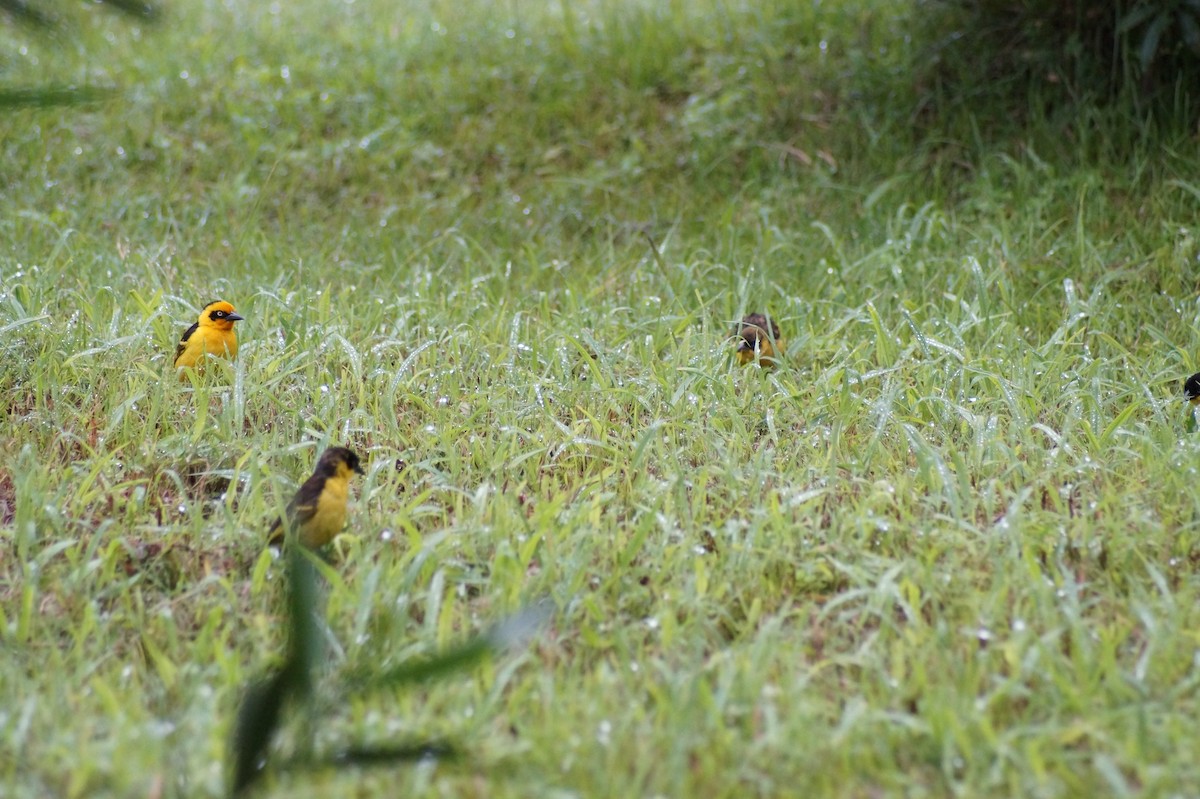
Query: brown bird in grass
[317,512]
[757,337]
[1191,389]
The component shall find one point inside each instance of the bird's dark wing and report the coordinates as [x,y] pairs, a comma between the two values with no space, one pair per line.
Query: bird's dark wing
[304,505]
[275,534]
[183,341]
[301,509]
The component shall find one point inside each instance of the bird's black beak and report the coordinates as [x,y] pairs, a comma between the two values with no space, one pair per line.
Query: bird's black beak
[358,468]
[234,318]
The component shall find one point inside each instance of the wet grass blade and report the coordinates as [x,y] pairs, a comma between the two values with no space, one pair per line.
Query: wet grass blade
[257,720]
[460,657]
[303,635]
[144,11]
[360,756]
[27,15]
[505,635]
[51,96]
[262,708]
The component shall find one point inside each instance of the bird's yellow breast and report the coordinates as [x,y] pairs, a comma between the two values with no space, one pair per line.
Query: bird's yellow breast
[330,514]
[208,340]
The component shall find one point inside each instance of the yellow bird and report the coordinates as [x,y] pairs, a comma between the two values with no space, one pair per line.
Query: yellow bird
[758,339]
[1191,389]
[212,334]
[318,511]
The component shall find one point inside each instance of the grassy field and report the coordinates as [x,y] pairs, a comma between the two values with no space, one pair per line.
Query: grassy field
[949,548]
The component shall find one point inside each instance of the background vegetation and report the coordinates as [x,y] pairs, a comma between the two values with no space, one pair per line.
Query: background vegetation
[950,548]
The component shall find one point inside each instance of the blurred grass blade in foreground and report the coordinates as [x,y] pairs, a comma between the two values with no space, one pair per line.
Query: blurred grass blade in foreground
[506,635]
[257,719]
[49,96]
[261,712]
[262,707]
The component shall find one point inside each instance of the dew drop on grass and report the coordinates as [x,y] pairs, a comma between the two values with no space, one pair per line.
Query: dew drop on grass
[604,732]
[1018,625]
[386,535]
[651,622]
[324,389]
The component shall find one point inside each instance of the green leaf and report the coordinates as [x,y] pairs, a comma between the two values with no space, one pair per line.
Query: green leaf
[1135,17]
[1191,30]
[506,635]
[1149,47]
[304,648]
[255,726]
[134,8]
[50,96]
[359,756]
[460,657]
[23,13]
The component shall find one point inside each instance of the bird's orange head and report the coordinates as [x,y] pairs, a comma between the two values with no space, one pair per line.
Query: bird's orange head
[220,315]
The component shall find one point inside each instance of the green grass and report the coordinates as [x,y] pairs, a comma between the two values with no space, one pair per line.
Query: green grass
[950,548]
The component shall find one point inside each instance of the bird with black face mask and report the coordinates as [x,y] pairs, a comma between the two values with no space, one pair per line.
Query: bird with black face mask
[212,334]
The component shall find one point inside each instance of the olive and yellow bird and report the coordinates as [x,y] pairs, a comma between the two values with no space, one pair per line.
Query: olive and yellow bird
[1191,389]
[317,512]
[212,334]
[757,338]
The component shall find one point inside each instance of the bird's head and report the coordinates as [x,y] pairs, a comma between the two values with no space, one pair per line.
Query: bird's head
[339,461]
[1191,389]
[220,315]
[756,331]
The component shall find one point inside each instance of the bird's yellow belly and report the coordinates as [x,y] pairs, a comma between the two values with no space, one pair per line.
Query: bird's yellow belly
[207,343]
[329,518]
